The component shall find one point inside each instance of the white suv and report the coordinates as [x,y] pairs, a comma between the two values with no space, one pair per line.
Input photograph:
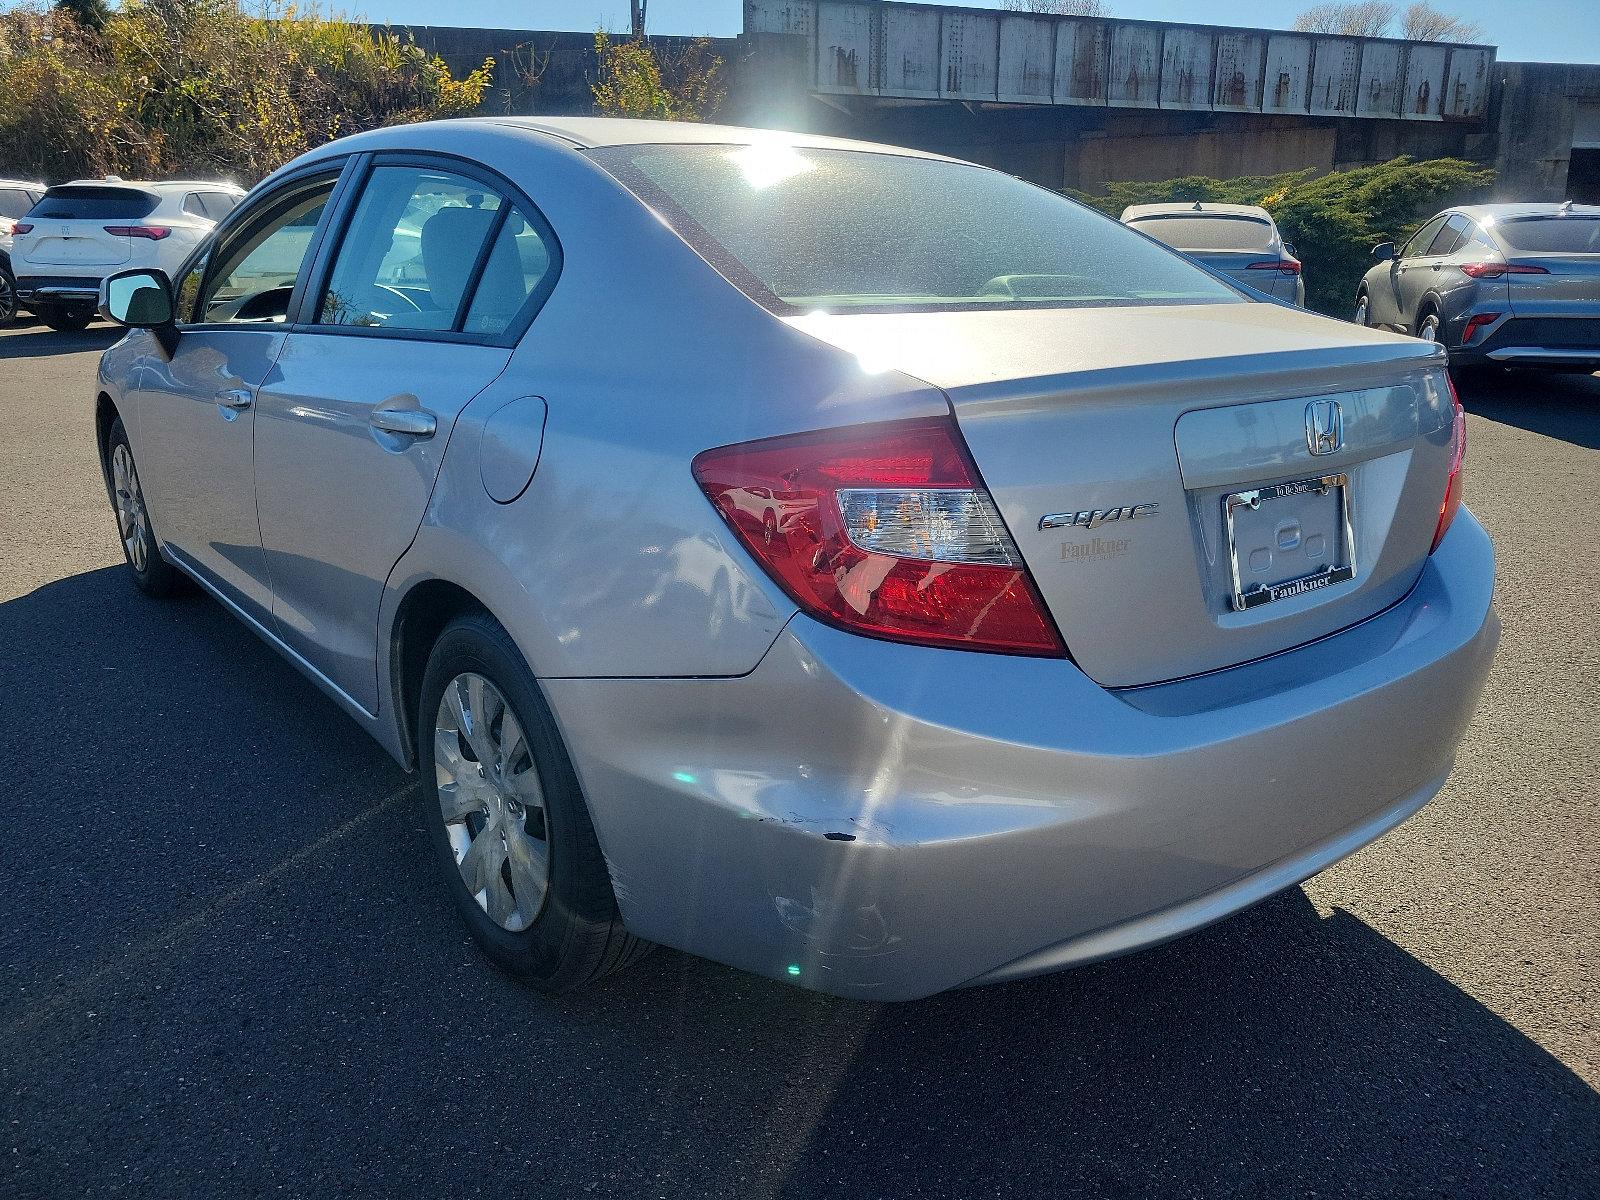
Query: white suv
[17,196]
[80,232]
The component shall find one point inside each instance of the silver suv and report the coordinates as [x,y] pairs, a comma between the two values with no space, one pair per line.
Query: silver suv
[1511,285]
[850,564]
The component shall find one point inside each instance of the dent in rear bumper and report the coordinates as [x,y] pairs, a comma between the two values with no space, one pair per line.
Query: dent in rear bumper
[887,821]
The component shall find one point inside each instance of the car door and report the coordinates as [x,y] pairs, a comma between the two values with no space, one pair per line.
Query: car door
[195,406]
[1388,304]
[416,310]
[1419,272]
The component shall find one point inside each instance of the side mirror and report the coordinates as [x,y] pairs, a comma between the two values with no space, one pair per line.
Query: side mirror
[139,299]
[1383,251]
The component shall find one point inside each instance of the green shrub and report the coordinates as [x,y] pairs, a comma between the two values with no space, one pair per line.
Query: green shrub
[1333,220]
[178,87]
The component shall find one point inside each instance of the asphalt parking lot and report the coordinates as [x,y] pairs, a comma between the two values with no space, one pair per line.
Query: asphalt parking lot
[229,968]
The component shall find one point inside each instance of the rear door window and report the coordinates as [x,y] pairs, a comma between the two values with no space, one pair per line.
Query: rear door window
[14,203]
[79,202]
[219,204]
[1449,238]
[194,206]
[429,250]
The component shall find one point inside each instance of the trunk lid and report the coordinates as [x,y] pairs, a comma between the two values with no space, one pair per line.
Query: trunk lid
[1151,417]
[1568,279]
[1236,266]
[76,243]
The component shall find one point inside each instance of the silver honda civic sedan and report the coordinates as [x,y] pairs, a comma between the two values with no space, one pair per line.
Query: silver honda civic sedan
[849,564]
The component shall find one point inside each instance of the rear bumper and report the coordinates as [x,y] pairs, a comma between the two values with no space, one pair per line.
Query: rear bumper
[886,822]
[59,289]
[1547,341]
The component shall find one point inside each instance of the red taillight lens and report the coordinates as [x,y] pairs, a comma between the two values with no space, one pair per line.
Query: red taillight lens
[1283,266]
[1494,270]
[884,530]
[22,227]
[1458,453]
[1477,323]
[154,232]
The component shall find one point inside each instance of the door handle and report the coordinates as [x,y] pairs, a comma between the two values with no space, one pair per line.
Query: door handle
[410,422]
[235,398]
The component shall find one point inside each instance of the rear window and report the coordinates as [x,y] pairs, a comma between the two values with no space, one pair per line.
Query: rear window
[86,203]
[1220,231]
[801,229]
[1551,235]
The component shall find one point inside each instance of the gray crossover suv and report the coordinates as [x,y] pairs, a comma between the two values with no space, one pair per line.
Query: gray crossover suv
[1512,285]
[850,564]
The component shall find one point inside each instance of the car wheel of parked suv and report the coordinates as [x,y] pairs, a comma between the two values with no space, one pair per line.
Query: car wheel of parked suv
[1428,328]
[506,817]
[8,297]
[64,319]
[151,573]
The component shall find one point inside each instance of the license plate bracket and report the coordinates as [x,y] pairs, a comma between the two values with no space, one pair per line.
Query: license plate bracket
[1275,533]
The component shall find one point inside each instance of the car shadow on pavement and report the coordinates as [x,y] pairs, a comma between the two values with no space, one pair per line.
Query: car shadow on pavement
[1558,406]
[228,952]
[41,342]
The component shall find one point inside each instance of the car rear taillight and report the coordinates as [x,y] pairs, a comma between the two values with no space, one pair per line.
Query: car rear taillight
[1283,266]
[1494,270]
[1458,453]
[154,232]
[1477,323]
[884,530]
[22,227]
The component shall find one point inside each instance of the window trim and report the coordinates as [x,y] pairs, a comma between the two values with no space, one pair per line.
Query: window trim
[244,214]
[1423,253]
[302,309]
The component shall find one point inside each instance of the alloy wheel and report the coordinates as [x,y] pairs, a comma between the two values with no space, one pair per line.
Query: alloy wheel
[132,524]
[8,298]
[491,801]
[1361,311]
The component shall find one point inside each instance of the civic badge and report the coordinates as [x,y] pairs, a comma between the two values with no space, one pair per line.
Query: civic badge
[1324,426]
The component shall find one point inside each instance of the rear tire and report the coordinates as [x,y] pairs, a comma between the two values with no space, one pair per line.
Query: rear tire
[65,320]
[152,574]
[8,297]
[573,934]
[1428,327]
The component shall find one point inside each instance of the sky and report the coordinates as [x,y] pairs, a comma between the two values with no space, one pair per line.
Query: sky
[1524,30]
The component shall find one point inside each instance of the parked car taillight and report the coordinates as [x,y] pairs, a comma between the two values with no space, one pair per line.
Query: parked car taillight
[21,227]
[1458,453]
[1494,270]
[1283,266]
[154,232]
[1479,321]
[885,530]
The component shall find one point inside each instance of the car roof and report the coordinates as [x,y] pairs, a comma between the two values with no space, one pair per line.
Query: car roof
[593,132]
[32,185]
[1503,211]
[1195,208]
[170,185]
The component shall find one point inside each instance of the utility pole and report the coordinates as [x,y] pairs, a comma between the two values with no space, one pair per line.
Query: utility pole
[638,7]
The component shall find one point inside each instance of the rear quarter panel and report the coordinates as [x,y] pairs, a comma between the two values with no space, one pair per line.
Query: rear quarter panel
[612,562]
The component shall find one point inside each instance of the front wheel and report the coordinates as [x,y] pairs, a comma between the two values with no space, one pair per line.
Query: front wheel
[1363,310]
[508,824]
[65,319]
[152,574]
